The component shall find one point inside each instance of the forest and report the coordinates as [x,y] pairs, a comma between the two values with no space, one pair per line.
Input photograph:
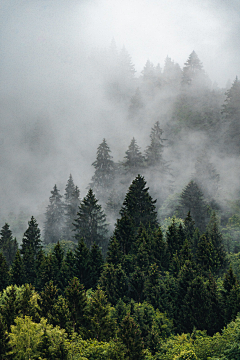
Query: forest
[146,265]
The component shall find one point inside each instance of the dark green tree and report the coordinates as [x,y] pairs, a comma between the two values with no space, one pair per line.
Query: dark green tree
[130,334]
[77,301]
[230,296]
[100,325]
[95,265]
[4,275]
[17,273]
[192,200]
[53,227]
[114,282]
[103,178]
[81,264]
[217,241]
[4,340]
[49,297]
[30,247]
[139,205]
[8,244]
[90,223]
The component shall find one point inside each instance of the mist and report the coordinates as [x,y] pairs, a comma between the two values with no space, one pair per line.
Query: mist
[57,88]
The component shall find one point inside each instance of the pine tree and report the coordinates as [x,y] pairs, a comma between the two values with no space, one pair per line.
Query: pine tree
[134,159]
[8,244]
[69,189]
[114,282]
[193,73]
[217,241]
[54,218]
[30,247]
[90,223]
[192,200]
[130,334]
[154,152]
[17,274]
[4,276]
[136,105]
[231,113]
[205,255]
[95,265]
[172,73]
[100,324]
[71,209]
[103,178]
[82,259]
[77,301]
[139,206]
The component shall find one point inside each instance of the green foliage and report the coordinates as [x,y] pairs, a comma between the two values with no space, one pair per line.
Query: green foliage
[53,227]
[28,340]
[90,223]
[8,245]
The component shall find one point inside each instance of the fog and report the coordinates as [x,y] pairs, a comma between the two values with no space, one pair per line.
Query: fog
[55,97]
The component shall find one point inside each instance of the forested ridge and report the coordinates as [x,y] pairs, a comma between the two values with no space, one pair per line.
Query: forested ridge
[146,265]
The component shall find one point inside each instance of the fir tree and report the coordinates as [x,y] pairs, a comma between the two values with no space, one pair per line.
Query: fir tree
[95,265]
[193,73]
[103,177]
[77,301]
[231,114]
[30,247]
[8,244]
[82,266]
[134,159]
[4,276]
[139,206]
[192,200]
[54,218]
[154,152]
[17,274]
[90,223]
[71,209]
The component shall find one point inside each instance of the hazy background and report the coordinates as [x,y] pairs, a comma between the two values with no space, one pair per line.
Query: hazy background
[53,106]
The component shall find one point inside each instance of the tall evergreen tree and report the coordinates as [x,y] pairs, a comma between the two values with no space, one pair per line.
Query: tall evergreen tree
[71,209]
[103,177]
[231,114]
[139,205]
[17,273]
[82,266]
[90,223]
[134,159]
[4,275]
[30,247]
[192,200]
[154,152]
[54,218]
[8,244]
[193,73]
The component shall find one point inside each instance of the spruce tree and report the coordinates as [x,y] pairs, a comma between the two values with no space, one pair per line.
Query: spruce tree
[139,205]
[154,152]
[103,178]
[134,162]
[17,273]
[81,264]
[54,218]
[30,247]
[77,301]
[71,203]
[192,200]
[231,114]
[90,223]
[4,275]
[95,265]
[8,244]
[193,73]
